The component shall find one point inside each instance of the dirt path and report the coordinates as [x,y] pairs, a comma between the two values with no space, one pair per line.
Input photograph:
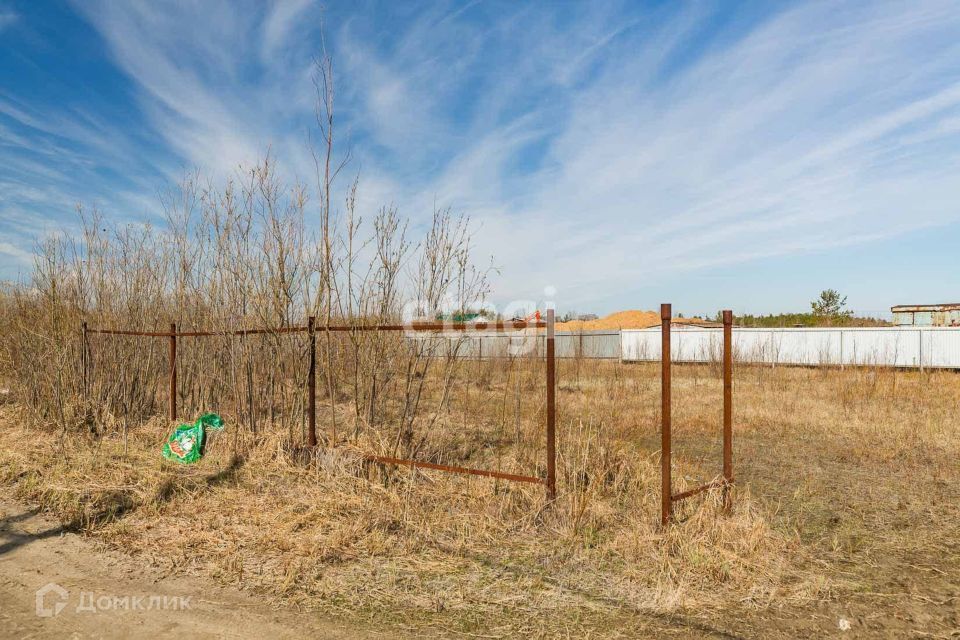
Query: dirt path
[98,594]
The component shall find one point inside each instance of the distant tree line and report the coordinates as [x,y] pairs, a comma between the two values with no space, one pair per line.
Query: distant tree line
[828,310]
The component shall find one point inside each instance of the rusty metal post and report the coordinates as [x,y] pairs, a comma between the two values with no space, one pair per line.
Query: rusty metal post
[173,371]
[312,386]
[551,410]
[727,408]
[666,484]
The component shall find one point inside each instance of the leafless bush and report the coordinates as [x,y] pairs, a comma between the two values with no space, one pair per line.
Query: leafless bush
[251,251]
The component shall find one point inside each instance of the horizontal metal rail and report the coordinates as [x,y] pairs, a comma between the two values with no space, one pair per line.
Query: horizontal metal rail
[416,326]
[716,484]
[454,469]
[119,332]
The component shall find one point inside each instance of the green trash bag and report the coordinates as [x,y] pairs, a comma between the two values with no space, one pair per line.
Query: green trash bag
[185,444]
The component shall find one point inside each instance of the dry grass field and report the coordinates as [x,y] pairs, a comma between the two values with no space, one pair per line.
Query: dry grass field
[847,506]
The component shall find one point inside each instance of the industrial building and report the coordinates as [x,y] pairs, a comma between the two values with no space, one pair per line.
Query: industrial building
[927,315]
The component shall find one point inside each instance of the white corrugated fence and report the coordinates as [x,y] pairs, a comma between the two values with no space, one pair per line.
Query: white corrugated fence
[935,347]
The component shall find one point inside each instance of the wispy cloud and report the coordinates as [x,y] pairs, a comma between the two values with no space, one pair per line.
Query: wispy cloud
[817,128]
[599,148]
[7,18]
[220,81]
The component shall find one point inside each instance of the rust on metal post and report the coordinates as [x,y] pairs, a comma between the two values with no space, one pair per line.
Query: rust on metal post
[727,408]
[312,385]
[666,497]
[173,371]
[551,409]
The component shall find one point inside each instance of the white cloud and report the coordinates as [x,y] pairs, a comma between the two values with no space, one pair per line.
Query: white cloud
[595,152]
[7,18]
[280,26]
[819,128]
[193,64]
[18,254]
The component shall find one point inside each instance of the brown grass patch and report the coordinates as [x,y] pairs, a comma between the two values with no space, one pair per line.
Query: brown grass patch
[845,481]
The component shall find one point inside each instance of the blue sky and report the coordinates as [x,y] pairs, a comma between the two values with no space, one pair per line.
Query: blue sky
[742,155]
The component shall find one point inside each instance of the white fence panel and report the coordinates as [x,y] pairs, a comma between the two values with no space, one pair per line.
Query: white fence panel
[594,345]
[883,347]
[941,348]
[872,346]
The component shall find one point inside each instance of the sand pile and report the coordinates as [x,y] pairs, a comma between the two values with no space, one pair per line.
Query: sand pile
[632,319]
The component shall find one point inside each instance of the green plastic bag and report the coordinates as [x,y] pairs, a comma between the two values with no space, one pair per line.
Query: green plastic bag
[185,444]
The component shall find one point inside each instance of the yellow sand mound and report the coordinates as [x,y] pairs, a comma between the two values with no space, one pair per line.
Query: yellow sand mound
[631,319]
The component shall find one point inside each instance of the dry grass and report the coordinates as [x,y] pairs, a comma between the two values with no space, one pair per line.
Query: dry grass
[846,506]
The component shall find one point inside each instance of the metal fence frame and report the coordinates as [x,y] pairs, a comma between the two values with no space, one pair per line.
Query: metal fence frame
[550,482]
[725,482]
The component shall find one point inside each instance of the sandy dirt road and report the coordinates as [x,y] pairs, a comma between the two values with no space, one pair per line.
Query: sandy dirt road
[99,594]
[91,592]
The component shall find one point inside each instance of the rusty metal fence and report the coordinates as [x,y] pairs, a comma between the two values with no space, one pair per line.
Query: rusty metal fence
[725,481]
[668,497]
[312,329]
